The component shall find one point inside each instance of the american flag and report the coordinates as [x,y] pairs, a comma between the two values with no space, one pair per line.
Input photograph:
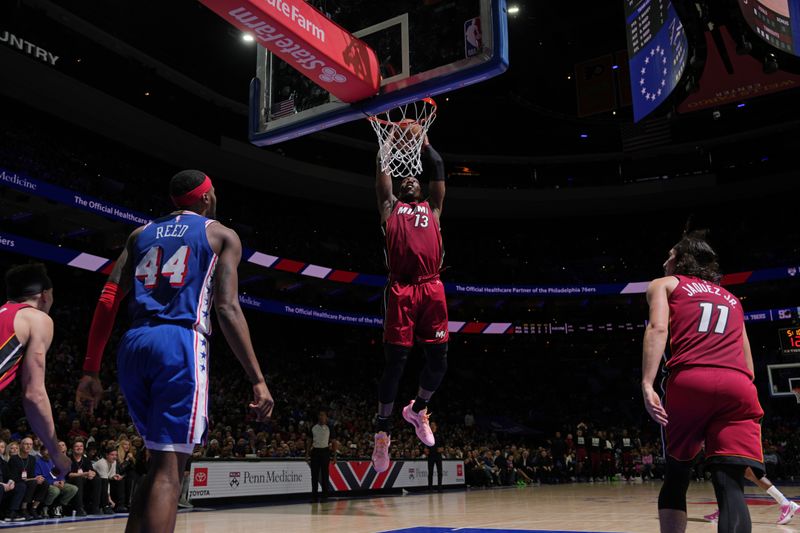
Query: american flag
[283,108]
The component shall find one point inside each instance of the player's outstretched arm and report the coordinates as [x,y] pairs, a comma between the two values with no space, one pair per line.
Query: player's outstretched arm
[118,285]
[431,159]
[232,321]
[383,189]
[35,400]
[655,341]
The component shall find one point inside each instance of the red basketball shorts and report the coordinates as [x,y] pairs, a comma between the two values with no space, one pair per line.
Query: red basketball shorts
[717,407]
[415,311]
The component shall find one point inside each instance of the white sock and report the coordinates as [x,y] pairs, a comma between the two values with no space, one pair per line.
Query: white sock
[777,495]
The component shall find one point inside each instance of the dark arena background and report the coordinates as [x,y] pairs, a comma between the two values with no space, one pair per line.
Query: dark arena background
[575,150]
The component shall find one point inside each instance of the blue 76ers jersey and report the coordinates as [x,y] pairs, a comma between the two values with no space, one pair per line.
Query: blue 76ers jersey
[174,273]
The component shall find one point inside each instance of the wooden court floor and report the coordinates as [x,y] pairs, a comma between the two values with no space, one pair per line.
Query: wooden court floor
[601,507]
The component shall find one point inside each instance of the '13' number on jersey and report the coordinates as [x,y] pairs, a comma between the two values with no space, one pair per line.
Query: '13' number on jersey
[175,268]
[421,221]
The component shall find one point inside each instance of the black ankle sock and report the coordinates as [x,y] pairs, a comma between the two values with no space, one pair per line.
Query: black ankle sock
[419,404]
[383,424]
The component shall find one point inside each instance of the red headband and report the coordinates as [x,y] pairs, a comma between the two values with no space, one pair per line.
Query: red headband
[193,196]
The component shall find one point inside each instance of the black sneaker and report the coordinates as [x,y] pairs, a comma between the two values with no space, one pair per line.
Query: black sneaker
[80,512]
[16,517]
[120,509]
[108,510]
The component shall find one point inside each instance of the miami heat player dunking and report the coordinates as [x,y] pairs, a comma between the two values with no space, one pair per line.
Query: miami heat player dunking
[177,267]
[415,305]
[710,397]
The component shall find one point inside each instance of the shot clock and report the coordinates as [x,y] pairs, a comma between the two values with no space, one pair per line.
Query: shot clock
[790,340]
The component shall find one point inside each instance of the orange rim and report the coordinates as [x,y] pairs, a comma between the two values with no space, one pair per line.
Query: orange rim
[428,100]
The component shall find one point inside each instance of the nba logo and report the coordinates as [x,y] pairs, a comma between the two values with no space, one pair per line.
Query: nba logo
[201,477]
[473,42]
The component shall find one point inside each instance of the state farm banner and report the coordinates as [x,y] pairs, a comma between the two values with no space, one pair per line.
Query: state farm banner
[231,479]
[308,41]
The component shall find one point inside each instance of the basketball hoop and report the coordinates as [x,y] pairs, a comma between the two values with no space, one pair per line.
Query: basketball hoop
[401,134]
[796,391]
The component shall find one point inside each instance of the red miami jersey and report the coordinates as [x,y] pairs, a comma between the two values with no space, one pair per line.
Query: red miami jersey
[413,242]
[11,351]
[706,324]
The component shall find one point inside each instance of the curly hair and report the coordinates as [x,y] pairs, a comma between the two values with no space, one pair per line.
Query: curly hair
[695,257]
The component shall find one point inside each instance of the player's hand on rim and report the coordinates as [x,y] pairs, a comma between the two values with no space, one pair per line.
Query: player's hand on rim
[263,402]
[653,405]
[89,393]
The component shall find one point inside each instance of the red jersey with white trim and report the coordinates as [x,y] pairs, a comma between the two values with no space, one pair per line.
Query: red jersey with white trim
[706,324]
[11,351]
[413,242]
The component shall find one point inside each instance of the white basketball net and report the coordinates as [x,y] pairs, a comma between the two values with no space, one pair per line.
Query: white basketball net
[401,134]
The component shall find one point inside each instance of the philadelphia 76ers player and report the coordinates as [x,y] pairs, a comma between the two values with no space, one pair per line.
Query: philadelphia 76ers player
[177,267]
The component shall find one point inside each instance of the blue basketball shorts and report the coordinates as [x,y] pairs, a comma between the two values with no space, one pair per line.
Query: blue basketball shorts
[163,374]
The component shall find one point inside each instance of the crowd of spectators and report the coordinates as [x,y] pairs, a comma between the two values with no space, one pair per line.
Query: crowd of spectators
[596,432]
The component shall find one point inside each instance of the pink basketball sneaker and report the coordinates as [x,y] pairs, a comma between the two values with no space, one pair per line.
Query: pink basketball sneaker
[787,512]
[713,517]
[380,455]
[420,423]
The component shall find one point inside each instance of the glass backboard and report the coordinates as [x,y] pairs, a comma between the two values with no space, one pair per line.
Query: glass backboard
[424,47]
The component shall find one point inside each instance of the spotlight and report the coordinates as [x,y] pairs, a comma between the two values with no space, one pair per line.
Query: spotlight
[513,10]
[248,38]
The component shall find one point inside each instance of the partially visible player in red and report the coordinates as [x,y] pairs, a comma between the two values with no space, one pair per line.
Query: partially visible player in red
[710,397]
[26,331]
[788,508]
[415,305]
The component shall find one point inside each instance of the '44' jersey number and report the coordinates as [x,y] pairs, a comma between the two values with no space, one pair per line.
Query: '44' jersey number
[174,268]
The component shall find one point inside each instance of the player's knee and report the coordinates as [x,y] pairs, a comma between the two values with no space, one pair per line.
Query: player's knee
[396,357]
[676,483]
[436,355]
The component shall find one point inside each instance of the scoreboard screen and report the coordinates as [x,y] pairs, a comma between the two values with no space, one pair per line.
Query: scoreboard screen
[790,340]
[657,48]
[777,22]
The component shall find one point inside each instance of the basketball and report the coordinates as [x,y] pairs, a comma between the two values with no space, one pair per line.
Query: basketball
[406,131]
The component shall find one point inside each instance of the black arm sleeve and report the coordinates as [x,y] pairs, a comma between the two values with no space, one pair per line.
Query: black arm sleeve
[432,160]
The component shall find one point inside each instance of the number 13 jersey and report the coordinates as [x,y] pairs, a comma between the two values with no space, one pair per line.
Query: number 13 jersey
[706,324]
[413,242]
[174,273]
